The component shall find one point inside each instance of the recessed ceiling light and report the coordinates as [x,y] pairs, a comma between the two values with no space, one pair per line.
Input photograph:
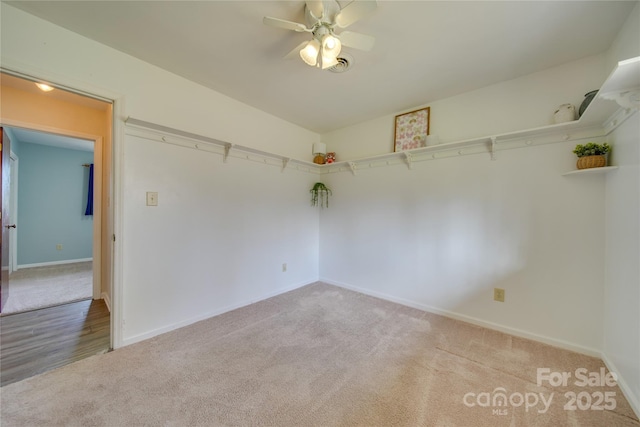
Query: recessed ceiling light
[44,87]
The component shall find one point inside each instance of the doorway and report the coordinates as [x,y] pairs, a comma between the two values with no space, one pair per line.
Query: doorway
[59,114]
[51,234]
[64,114]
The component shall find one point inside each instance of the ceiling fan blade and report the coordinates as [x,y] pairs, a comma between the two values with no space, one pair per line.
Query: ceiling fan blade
[316,7]
[281,23]
[357,40]
[295,53]
[354,11]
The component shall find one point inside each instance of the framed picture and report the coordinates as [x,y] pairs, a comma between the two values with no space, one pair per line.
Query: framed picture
[411,129]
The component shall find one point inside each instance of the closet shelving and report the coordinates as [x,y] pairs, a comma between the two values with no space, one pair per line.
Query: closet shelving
[591,171]
[155,132]
[617,99]
[601,117]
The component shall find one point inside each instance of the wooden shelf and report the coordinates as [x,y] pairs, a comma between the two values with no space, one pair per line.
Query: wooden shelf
[592,171]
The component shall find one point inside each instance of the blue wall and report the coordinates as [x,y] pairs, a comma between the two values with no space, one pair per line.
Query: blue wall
[52,191]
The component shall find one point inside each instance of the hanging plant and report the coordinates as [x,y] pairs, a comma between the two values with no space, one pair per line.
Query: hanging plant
[320,193]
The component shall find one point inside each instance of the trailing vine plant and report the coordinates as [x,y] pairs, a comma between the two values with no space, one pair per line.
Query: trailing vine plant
[320,193]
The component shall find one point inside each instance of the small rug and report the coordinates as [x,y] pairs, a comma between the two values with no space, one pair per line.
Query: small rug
[40,287]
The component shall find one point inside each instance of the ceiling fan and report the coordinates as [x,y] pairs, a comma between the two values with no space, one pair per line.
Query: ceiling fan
[323,17]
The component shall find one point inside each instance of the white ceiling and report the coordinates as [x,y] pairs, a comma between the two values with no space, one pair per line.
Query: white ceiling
[424,51]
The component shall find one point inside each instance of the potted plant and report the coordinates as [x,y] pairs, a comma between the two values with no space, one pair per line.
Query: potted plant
[592,155]
[320,193]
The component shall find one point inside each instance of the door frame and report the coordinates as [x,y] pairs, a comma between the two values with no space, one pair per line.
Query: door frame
[97,190]
[13,206]
[113,200]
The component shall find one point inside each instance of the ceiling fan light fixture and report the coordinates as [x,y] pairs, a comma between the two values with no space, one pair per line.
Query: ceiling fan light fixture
[322,17]
[309,53]
[328,61]
[331,45]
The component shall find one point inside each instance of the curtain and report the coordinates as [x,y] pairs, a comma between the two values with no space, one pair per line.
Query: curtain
[89,210]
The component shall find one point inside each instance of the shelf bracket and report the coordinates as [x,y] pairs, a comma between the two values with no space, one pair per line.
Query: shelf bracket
[409,158]
[227,149]
[285,161]
[353,167]
[493,147]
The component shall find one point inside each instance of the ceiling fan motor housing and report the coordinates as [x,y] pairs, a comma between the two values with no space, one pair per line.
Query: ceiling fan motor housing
[330,8]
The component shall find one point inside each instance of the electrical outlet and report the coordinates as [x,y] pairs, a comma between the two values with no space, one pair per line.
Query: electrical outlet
[58,247]
[498,294]
[284,267]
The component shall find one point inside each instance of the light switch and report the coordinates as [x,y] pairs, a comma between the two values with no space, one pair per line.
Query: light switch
[152,198]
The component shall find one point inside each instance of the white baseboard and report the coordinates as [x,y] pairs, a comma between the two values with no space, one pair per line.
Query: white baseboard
[46,264]
[473,320]
[634,401]
[141,337]
[107,300]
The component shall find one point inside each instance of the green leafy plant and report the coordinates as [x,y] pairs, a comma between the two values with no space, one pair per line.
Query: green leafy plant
[591,149]
[320,193]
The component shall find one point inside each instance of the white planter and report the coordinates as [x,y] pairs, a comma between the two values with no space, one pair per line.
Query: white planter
[564,113]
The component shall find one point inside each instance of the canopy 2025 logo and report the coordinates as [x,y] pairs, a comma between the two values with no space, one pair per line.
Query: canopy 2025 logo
[500,401]
[584,400]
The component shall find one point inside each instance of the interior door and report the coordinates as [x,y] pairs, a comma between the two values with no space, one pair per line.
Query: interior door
[5,188]
[13,213]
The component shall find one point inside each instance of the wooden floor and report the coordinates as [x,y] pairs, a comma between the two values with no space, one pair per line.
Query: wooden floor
[37,341]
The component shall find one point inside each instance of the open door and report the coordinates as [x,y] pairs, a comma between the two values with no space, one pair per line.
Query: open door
[5,188]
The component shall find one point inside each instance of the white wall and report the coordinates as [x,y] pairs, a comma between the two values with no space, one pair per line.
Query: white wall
[217,239]
[523,103]
[621,347]
[442,235]
[419,233]
[621,332]
[220,235]
[627,42]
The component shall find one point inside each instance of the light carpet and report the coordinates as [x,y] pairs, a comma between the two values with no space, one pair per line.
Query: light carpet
[316,356]
[40,287]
